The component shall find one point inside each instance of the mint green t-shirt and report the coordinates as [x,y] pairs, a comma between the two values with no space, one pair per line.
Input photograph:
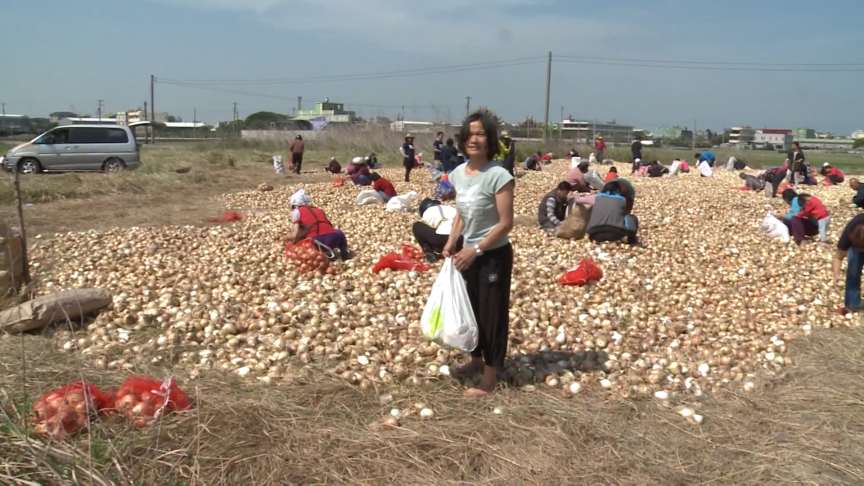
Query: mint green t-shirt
[475,201]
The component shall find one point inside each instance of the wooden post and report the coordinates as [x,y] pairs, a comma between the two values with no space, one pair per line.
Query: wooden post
[20,206]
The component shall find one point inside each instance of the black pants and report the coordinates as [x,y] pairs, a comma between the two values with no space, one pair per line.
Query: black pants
[775,181]
[297,161]
[429,240]
[408,166]
[488,283]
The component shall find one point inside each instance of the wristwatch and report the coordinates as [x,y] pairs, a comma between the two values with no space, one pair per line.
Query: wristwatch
[477,250]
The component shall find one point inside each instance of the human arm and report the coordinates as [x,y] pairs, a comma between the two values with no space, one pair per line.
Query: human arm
[836,263]
[453,237]
[504,206]
[550,211]
[859,198]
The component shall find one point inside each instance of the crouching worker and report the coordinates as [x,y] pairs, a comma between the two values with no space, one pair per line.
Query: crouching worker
[311,222]
[752,182]
[437,222]
[553,208]
[851,244]
[814,212]
[832,174]
[610,217]
[799,228]
[383,186]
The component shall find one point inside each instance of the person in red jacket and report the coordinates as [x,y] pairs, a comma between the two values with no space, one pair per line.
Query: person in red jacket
[600,149]
[311,222]
[383,186]
[832,174]
[815,212]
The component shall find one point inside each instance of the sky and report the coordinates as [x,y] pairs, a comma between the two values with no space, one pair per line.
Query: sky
[262,54]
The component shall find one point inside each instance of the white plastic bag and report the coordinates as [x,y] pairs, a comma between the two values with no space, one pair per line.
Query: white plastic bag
[775,228]
[448,317]
[401,202]
[369,196]
[278,166]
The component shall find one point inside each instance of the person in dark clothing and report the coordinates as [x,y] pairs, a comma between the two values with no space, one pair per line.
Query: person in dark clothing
[797,162]
[436,148]
[297,148]
[533,162]
[409,156]
[752,182]
[636,149]
[775,177]
[372,161]
[449,156]
[433,231]
[611,219]
[856,186]
[553,208]
[334,167]
[851,244]
[656,169]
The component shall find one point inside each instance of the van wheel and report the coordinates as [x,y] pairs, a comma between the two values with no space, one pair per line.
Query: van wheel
[113,165]
[29,166]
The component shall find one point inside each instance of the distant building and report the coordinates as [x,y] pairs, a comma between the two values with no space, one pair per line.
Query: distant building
[857,134]
[131,116]
[802,133]
[14,124]
[779,138]
[329,111]
[586,131]
[741,135]
[412,126]
[673,133]
[841,144]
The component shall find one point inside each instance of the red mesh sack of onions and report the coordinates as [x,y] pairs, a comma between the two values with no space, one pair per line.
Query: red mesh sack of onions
[306,255]
[69,409]
[143,399]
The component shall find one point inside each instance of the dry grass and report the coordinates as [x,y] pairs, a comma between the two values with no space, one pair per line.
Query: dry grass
[806,426]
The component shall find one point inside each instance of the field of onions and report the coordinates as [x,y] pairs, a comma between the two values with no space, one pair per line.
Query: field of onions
[707,302]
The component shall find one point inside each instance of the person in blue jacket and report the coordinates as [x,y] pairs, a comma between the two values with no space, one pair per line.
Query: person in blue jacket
[707,156]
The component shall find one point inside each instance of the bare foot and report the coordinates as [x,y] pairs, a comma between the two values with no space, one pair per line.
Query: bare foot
[476,393]
[470,369]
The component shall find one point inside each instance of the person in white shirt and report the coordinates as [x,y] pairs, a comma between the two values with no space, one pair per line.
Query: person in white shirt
[437,222]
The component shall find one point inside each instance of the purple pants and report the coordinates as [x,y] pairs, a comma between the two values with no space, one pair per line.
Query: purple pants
[335,240]
[800,228]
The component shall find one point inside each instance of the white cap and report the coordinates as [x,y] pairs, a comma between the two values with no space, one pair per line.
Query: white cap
[638,160]
[826,164]
[357,160]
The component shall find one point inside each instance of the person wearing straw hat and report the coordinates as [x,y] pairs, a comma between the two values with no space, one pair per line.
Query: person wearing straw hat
[409,158]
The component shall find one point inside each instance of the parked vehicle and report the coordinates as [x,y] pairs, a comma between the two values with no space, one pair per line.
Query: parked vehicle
[108,148]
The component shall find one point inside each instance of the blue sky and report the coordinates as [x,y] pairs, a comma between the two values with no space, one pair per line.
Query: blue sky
[60,55]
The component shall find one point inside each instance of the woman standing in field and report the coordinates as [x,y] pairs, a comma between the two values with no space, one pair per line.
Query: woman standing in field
[484,200]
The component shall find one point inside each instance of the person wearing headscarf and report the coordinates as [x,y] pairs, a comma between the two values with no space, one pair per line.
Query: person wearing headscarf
[359,172]
[436,222]
[832,174]
[507,152]
[311,222]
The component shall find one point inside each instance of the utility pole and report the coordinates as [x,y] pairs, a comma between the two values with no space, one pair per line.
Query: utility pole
[299,103]
[194,121]
[236,120]
[561,125]
[693,139]
[152,108]
[548,89]
[4,108]
[99,111]
[147,128]
[467,105]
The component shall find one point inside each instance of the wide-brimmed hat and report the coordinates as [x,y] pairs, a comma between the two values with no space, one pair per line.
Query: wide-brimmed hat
[826,164]
[358,161]
[409,135]
[600,137]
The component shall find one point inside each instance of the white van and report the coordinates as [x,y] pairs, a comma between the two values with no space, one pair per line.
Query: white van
[108,148]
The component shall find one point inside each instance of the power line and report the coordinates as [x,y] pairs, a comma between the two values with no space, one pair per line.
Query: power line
[710,62]
[363,76]
[706,67]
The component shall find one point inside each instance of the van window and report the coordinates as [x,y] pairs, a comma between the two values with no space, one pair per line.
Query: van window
[58,136]
[98,135]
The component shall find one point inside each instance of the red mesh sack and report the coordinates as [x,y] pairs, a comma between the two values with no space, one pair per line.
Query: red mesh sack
[69,409]
[143,399]
[397,261]
[306,255]
[227,217]
[587,271]
[337,181]
[411,252]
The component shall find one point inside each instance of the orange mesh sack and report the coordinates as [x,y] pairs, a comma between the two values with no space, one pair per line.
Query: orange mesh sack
[143,399]
[69,409]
